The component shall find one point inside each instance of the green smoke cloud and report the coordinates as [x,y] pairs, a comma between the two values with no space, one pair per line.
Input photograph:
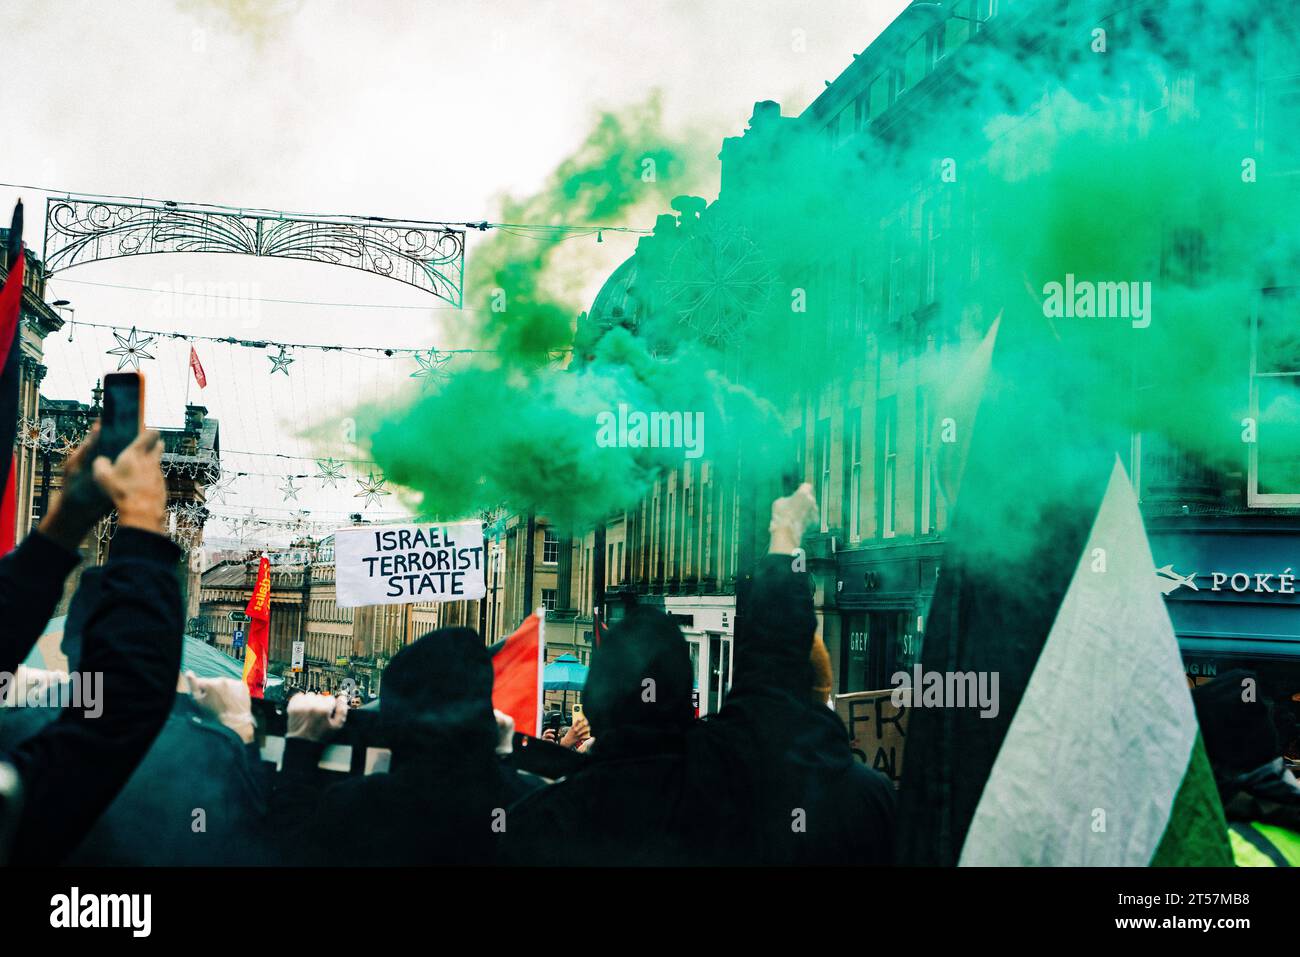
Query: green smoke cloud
[1040,158]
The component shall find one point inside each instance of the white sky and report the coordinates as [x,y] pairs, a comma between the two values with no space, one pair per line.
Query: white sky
[423,110]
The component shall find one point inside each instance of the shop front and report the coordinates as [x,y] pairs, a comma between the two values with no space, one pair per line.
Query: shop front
[882,593]
[1232,587]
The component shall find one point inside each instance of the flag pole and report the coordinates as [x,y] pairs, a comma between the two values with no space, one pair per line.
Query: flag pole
[541,668]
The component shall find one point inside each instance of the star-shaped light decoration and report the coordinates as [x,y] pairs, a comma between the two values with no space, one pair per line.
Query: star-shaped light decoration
[281,362]
[371,489]
[131,349]
[329,472]
[219,489]
[289,489]
[191,514]
[431,367]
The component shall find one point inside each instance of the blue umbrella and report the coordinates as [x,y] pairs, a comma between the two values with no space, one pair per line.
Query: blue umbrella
[565,674]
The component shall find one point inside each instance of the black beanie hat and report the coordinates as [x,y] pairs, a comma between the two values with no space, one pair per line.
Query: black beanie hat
[640,676]
[440,685]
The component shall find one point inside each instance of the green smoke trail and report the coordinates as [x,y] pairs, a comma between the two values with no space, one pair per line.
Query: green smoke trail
[519,428]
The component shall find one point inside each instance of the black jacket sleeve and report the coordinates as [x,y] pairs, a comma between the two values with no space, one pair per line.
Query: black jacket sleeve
[31,584]
[74,768]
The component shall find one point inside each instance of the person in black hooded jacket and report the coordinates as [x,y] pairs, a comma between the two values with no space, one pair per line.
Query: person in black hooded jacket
[444,797]
[770,779]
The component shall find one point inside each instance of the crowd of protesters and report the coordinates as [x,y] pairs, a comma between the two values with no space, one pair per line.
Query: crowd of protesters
[167,768]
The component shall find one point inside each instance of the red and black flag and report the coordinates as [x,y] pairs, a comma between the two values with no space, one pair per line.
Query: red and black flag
[11,299]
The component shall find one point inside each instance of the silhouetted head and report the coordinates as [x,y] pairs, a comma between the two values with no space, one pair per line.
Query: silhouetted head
[1235,723]
[640,676]
[437,694]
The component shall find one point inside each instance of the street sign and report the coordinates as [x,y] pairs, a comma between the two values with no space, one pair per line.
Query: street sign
[299,654]
[238,641]
[239,616]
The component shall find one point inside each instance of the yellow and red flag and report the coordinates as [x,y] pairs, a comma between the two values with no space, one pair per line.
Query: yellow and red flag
[257,650]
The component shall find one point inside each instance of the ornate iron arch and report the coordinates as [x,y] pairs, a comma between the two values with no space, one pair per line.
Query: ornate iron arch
[429,256]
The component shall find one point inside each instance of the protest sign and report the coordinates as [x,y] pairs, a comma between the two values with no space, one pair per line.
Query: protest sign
[397,564]
[877,729]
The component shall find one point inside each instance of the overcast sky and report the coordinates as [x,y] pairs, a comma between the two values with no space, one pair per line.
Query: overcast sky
[422,110]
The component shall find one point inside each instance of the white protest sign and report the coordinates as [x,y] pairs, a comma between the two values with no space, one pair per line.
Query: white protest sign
[397,564]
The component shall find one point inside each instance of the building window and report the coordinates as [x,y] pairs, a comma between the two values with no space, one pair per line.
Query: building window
[548,599]
[953,33]
[798,438]
[861,278]
[892,287]
[550,547]
[926,504]
[853,474]
[822,456]
[887,443]
[878,96]
[1275,399]
[846,123]
[915,63]
[936,258]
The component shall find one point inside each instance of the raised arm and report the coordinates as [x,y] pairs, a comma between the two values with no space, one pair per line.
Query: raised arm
[32,576]
[72,770]
[772,650]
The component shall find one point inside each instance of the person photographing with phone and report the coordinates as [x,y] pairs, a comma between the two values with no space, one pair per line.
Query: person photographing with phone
[71,770]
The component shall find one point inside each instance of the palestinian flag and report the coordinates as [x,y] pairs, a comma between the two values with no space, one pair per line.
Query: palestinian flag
[1103,763]
[1091,755]
[11,299]
[517,674]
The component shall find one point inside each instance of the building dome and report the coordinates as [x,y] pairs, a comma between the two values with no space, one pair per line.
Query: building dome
[615,304]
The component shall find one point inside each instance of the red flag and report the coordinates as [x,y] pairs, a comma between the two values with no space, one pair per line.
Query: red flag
[11,299]
[197,368]
[517,675]
[257,650]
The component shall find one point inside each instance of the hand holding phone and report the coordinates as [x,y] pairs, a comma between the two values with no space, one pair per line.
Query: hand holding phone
[135,483]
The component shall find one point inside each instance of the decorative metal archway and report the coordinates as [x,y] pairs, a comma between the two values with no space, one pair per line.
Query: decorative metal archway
[429,256]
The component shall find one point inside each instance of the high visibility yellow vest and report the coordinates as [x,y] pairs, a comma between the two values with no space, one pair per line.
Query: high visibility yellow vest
[1263,845]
